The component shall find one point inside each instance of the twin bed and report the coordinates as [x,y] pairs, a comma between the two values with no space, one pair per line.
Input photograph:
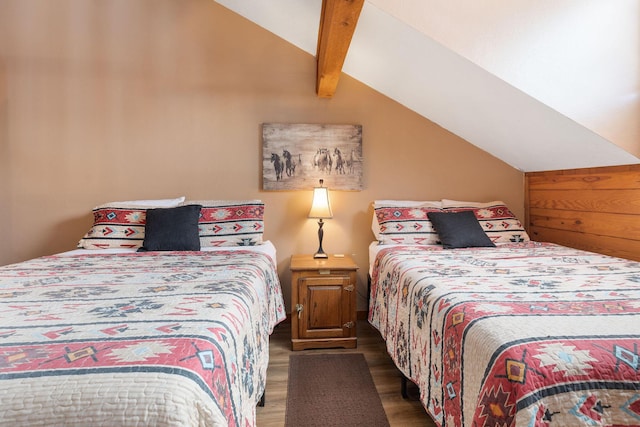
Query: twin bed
[521,333]
[109,335]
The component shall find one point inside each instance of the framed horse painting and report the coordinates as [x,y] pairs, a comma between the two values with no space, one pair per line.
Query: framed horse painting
[296,156]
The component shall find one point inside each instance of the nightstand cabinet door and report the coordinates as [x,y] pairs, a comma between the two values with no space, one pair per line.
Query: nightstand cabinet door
[326,307]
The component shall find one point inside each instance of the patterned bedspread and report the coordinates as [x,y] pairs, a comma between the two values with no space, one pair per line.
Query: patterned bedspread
[156,338]
[529,334]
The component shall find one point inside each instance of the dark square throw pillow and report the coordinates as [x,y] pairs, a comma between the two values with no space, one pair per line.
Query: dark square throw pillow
[459,230]
[172,229]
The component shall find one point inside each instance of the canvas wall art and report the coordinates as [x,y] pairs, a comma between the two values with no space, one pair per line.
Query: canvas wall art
[297,156]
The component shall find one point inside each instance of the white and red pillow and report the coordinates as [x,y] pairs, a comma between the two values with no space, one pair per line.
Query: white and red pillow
[121,225]
[230,222]
[404,222]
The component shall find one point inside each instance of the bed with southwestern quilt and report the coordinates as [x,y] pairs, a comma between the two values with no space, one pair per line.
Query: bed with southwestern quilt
[149,338]
[528,334]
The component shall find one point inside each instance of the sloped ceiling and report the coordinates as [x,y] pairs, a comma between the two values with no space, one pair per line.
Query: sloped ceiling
[407,65]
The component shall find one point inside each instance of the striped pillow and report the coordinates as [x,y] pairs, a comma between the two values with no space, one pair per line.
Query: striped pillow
[230,222]
[404,222]
[121,224]
[115,228]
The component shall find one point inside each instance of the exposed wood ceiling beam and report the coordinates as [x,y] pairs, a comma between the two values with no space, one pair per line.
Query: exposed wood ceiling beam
[337,25]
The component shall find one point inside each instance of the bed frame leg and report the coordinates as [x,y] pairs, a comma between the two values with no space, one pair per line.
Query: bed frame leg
[403,387]
[262,398]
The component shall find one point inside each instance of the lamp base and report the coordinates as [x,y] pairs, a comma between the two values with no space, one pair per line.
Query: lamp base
[320,253]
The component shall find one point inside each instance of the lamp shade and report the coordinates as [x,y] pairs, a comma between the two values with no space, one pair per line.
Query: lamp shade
[320,207]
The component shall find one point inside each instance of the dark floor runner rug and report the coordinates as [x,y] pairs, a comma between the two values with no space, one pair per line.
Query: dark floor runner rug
[332,390]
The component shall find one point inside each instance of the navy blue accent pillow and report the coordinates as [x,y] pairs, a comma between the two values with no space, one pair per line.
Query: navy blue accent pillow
[459,230]
[172,229]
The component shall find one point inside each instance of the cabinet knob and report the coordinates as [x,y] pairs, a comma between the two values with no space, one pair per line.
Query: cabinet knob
[348,325]
[349,288]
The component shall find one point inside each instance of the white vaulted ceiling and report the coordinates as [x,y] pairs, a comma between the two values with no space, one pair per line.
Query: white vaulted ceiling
[540,85]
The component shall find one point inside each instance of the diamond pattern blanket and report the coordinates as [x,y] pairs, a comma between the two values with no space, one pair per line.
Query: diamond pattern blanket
[529,334]
[155,338]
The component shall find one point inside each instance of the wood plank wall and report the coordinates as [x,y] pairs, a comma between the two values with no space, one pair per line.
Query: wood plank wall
[596,209]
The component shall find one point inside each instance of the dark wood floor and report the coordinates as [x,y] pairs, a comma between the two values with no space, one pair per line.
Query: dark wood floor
[400,412]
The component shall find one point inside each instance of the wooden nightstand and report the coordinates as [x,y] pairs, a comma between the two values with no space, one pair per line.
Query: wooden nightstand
[323,297]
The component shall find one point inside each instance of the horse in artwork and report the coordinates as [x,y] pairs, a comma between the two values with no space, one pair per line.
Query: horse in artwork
[322,160]
[339,160]
[289,164]
[351,160]
[277,165]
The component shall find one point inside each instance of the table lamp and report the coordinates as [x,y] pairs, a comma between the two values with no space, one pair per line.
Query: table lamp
[320,209]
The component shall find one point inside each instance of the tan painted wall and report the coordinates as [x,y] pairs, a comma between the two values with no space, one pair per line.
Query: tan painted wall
[116,100]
